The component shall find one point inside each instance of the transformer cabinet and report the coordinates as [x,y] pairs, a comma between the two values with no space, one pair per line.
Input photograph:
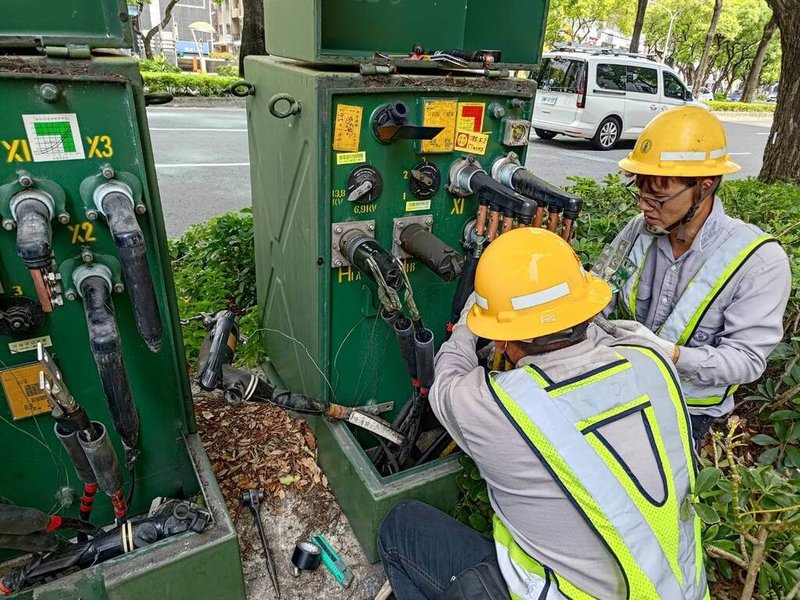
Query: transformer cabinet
[95,404]
[386,140]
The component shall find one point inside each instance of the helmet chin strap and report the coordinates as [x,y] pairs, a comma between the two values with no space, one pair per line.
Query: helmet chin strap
[681,223]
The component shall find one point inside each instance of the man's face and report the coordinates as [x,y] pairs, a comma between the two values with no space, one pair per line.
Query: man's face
[664,200]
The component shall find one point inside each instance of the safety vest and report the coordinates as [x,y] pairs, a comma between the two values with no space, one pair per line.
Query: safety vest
[697,298]
[656,543]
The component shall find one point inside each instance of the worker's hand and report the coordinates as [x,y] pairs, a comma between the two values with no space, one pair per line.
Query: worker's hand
[625,328]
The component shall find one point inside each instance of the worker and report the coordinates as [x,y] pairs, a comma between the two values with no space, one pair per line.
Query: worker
[585,448]
[710,289]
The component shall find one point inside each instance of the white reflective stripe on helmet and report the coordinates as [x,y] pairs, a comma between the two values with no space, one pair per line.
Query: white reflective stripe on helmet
[540,297]
[693,156]
[481,301]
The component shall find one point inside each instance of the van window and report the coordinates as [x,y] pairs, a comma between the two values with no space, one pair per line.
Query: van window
[611,77]
[673,88]
[560,74]
[642,80]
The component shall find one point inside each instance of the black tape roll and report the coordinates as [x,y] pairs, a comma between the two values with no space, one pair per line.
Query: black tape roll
[306,556]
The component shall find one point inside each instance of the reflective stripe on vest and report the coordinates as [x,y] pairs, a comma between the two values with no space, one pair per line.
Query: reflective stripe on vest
[658,553]
[697,298]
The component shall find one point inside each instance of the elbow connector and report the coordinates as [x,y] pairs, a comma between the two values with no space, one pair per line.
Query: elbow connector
[115,201]
[33,210]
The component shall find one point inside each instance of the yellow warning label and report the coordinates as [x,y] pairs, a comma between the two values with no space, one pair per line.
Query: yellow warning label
[439,113]
[21,386]
[351,158]
[28,345]
[472,142]
[413,205]
[470,116]
[347,129]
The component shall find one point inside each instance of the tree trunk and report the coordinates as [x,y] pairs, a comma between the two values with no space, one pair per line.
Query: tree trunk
[751,82]
[702,68]
[638,24]
[148,51]
[253,41]
[782,154]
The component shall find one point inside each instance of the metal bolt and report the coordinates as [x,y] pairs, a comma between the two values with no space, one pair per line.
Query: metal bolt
[91,215]
[470,159]
[58,300]
[337,263]
[87,256]
[25,180]
[49,93]
[71,295]
[370,227]
[429,221]
[119,288]
[401,224]
[108,172]
[63,218]
[336,246]
[338,229]
[513,156]
[140,209]
[16,325]
[51,277]
[8,225]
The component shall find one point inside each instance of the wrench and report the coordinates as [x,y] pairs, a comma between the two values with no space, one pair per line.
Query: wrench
[251,499]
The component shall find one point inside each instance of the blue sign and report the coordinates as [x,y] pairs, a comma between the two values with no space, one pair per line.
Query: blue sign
[182,47]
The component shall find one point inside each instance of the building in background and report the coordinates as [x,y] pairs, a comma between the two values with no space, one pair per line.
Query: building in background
[228,16]
[176,36]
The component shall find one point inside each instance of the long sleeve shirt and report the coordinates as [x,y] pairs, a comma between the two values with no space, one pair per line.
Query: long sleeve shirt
[536,511]
[744,323]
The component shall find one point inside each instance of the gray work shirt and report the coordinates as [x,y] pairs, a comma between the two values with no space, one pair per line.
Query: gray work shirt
[742,326]
[539,516]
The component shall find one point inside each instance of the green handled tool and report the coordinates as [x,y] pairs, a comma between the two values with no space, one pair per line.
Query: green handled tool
[338,568]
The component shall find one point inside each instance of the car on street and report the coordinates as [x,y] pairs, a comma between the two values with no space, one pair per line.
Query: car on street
[735,96]
[705,95]
[603,95]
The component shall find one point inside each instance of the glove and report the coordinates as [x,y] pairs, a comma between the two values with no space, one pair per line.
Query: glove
[623,328]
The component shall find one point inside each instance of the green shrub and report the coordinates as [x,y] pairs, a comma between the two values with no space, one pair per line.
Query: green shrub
[158,64]
[228,71]
[188,84]
[741,107]
[720,97]
[222,55]
[213,267]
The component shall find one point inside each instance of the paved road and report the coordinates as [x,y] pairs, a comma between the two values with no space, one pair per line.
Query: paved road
[202,160]
[202,163]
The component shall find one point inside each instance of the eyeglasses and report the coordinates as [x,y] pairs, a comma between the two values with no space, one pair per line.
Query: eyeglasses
[649,201]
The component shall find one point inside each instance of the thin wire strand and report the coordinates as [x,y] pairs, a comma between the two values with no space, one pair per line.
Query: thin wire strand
[336,356]
[308,354]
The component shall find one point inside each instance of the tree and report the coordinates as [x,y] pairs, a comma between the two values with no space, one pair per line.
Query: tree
[751,82]
[782,154]
[148,38]
[641,9]
[702,68]
[252,31]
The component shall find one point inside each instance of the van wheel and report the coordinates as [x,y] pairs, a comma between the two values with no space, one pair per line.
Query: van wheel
[544,134]
[607,134]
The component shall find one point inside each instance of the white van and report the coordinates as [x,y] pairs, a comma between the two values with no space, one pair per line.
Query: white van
[603,95]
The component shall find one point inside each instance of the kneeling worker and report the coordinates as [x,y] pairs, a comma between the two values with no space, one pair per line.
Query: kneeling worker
[585,448]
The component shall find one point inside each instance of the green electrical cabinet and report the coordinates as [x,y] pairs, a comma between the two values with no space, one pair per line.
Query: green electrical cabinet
[74,126]
[313,136]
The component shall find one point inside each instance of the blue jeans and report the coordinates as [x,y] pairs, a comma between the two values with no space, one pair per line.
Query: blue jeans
[423,549]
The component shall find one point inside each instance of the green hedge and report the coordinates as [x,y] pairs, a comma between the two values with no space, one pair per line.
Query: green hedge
[741,107]
[188,84]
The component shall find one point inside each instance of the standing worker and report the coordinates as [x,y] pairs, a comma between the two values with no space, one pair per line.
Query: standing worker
[711,287]
[585,449]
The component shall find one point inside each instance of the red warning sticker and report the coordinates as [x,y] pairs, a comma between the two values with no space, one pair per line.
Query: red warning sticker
[470,116]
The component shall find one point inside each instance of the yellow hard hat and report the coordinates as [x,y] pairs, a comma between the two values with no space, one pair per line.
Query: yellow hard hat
[530,283]
[685,141]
